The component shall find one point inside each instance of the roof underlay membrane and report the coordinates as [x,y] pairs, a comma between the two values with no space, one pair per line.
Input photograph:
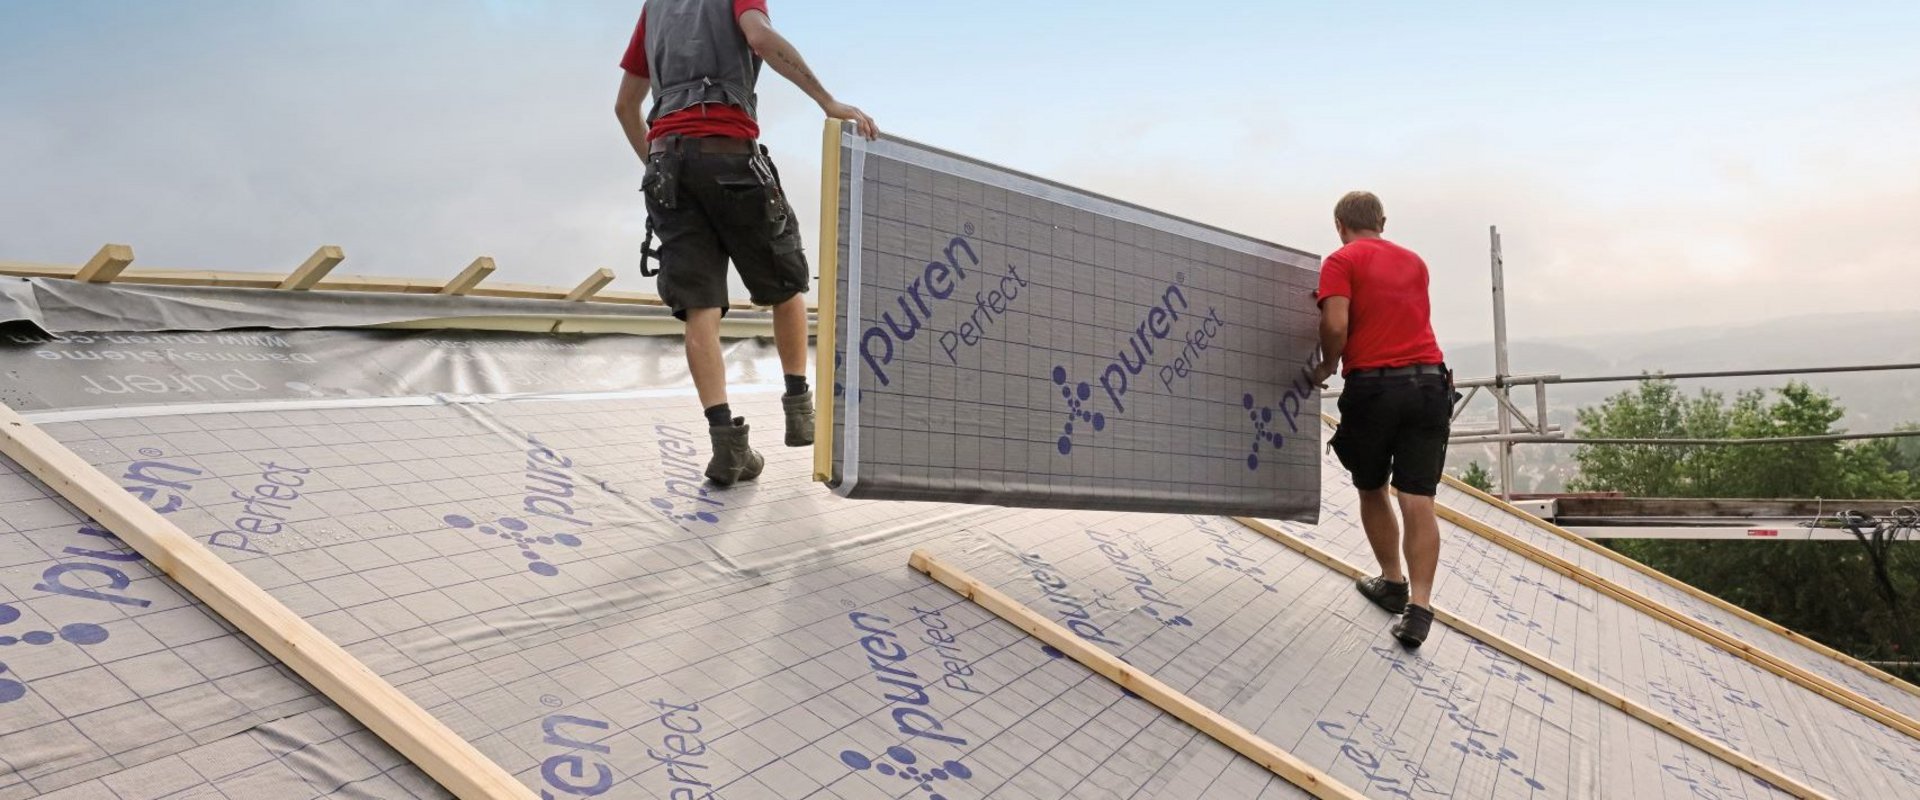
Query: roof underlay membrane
[511,530]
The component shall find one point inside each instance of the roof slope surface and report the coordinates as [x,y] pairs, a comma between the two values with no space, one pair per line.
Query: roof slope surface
[547,576]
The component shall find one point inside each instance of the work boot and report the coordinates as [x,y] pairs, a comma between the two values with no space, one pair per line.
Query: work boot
[1412,627]
[1384,593]
[799,418]
[733,459]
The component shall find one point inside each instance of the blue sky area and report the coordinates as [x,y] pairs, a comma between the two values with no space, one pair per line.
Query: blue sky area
[1650,164]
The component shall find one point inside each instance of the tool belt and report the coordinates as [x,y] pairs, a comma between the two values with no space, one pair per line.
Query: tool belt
[1453,394]
[665,156]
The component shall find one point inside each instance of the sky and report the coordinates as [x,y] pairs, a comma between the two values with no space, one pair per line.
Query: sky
[1649,165]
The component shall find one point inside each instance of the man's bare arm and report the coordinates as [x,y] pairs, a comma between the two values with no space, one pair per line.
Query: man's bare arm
[1333,336]
[626,106]
[781,55]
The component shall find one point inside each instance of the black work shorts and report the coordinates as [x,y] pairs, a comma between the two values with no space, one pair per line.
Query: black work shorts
[1395,427]
[723,211]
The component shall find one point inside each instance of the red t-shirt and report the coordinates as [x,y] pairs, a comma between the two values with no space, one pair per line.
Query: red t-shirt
[707,119]
[1390,320]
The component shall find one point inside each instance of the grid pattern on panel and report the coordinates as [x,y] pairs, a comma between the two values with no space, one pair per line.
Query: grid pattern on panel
[1833,669]
[653,605]
[768,640]
[104,663]
[1022,349]
[1646,659]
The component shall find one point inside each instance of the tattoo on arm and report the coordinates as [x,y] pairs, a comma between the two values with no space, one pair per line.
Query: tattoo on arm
[787,61]
[804,72]
[800,67]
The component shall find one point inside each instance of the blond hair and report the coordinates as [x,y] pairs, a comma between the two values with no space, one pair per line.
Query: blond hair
[1360,211]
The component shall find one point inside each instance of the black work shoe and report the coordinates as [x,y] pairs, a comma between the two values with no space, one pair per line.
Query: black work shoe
[733,459]
[1412,627]
[799,418]
[1384,593]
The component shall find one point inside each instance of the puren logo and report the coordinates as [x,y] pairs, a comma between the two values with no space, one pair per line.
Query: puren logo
[79,633]
[1154,602]
[684,498]
[516,530]
[899,762]
[1232,564]
[672,510]
[1155,325]
[1231,556]
[1261,433]
[158,485]
[1076,397]
[921,300]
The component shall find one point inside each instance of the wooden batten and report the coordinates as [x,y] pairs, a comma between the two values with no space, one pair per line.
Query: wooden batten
[419,736]
[314,270]
[1690,590]
[332,283]
[1226,731]
[106,264]
[591,286]
[1576,681]
[1684,623]
[469,277]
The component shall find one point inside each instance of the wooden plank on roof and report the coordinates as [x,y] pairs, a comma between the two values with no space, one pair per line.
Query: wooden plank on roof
[469,277]
[339,283]
[316,267]
[1578,682]
[106,264]
[1685,588]
[418,735]
[28,269]
[1685,623]
[1226,731]
[591,286]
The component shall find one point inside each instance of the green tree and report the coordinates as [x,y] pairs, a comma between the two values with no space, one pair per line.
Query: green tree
[1657,410]
[1477,477]
[1905,453]
[1653,410]
[1839,592]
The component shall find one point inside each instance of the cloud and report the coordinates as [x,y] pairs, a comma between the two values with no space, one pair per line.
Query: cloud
[432,135]
[1810,226]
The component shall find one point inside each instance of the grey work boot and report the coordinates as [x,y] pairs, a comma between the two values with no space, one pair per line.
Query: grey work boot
[733,459]
[1413,626]
[799,418]
[1384,593]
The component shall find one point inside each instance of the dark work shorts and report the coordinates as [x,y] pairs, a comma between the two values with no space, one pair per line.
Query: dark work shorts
[724,212]
[1395,427]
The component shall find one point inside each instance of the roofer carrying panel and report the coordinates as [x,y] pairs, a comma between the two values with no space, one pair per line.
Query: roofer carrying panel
[713,195]
[1396,409]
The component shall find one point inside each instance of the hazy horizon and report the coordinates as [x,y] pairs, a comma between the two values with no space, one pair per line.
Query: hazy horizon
[1650,167]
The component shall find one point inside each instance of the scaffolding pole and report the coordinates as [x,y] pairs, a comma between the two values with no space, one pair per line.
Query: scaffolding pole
[1500,371]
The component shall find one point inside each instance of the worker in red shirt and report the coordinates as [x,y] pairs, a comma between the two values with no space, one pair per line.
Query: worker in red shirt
[1396,409]
[713,195]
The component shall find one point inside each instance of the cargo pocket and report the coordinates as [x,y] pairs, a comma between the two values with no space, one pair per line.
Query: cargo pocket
[789,257]
[1351,398]
[786,234]
[1435,412]
[747,206]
